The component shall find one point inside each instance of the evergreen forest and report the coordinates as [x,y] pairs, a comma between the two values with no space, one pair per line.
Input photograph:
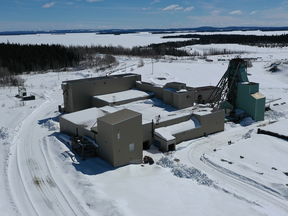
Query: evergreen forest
[16,59]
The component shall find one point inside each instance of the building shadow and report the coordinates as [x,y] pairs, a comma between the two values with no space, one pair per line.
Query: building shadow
[88,165]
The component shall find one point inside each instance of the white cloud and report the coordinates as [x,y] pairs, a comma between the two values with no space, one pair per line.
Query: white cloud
[94,0]
[146,8]
[215,13]
[156,1]
[237,12]
[179,8]
[189,8]
[253,12]
[48,5]
[171,7]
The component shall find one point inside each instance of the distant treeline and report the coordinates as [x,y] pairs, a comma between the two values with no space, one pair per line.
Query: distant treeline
[25,58]
[254,40]
[137,51]
[118,32]
[17,58]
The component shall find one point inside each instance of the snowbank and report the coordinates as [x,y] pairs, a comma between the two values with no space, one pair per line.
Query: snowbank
[246,121]
[6,133]
[184,171]
[51,125]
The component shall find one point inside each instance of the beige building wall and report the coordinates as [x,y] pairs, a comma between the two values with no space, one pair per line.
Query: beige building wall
[147,135]
[165,145]
[168,96]
[105,142]
[96,102]
[71,129]
[77,94]
[189,134]
[211,123]
[172,121]
[120,138]
[175,85]
[148,87]
[202,94]
[183,100]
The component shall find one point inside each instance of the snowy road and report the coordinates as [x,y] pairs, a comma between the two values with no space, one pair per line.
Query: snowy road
[30,179]
[230,182]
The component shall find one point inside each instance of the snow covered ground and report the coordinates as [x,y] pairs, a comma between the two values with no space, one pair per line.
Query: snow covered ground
[125,40]
[40,175]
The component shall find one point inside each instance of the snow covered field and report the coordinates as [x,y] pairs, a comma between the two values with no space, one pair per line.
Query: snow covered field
[125,40]
[40,175]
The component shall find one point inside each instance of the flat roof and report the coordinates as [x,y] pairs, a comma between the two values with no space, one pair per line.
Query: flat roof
[87,117]
[119,116]
[177,91]
[101,78]
[258,95]
[124,95]
[176,83]
[249,83]
[156,110]
[205,88]
[167,133]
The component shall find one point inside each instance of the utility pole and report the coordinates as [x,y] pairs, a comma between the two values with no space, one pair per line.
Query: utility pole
[152,65]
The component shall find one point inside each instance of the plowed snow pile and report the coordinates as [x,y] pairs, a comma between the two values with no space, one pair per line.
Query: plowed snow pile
[183,171]
[51,125]
[6,132]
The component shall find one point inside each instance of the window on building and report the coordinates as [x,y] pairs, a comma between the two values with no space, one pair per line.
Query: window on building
[118,135]
[131,147]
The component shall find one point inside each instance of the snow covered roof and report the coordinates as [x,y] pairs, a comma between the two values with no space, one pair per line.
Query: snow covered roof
[249,83]
[167,133]
[119,116]
[87,117]
[164,134]
[182,90]
[175,90]
[151,109]
[258,95]
[123,95]
[101,77]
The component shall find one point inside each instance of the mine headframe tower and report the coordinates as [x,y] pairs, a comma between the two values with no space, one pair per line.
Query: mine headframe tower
[226,89]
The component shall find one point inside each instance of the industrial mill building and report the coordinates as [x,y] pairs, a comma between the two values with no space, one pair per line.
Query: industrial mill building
[134,115]
[124,115]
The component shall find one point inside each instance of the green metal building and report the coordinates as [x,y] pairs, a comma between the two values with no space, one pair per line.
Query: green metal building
[251,100]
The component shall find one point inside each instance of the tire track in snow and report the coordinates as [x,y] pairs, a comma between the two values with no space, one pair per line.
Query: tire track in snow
[31,175]
[238,176]
[233,185]
[51,181]
[36,171]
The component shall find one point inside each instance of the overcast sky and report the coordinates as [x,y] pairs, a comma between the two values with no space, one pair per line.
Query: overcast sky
[126,14]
